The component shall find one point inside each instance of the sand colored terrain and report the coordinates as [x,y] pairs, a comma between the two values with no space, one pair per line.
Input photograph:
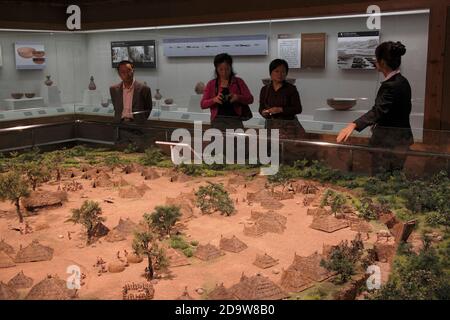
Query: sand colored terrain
[50,229]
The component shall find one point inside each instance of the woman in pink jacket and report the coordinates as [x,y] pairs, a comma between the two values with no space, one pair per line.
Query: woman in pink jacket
[225,95]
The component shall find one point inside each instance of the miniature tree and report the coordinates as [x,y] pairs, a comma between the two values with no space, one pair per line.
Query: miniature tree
[13,187]
[35,172]
[145,243]
[214,197]
[343,258]
[368,210]
[89,215]
[335,200]
[55,160]
[163,218]
[152,157]
[112,161]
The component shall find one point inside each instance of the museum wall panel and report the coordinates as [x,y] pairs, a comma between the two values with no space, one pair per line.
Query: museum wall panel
[66,62]
[73,58]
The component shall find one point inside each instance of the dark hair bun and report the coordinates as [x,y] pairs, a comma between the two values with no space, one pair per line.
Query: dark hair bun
[398,49]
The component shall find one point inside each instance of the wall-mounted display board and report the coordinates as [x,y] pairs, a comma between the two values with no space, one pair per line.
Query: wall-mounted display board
[29,56]
[356,50]
[252,45]
[141,53]
[313,50]
[289,48]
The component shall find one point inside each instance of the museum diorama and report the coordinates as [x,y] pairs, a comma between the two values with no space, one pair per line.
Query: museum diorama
[95,204]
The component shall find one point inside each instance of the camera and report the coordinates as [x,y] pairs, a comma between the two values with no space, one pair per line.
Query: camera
[226,96]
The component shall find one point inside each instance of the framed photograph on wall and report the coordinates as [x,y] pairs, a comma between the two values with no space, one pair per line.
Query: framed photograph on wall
[29,56]
[356,50]
[142,53]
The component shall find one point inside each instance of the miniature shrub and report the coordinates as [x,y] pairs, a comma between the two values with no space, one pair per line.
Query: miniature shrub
[333,199]
[436,219]
[152,157]
[343,259]
[77,151]
[214,197]
[419,276]
[404,214]
[188,252]
[367,209]
[194,243]
[178,242]
[131,148]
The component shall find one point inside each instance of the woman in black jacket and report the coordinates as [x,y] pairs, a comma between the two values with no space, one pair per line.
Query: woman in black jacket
[389,117]
[279,102]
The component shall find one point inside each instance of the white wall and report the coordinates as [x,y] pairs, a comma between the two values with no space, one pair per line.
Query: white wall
[66,63]
[72,58]
[176,77]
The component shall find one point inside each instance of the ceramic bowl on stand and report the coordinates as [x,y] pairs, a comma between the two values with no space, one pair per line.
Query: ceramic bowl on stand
[342,104]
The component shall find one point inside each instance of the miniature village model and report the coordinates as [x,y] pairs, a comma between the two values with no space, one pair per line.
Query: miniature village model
[104,224]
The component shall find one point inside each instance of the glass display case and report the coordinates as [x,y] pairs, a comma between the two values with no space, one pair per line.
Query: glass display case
[72,59]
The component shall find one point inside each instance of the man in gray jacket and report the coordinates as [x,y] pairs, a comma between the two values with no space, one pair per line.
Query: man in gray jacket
[131,99]
[133,104]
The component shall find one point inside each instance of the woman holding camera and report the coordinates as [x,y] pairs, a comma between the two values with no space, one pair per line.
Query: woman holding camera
[279,102]
[226,95]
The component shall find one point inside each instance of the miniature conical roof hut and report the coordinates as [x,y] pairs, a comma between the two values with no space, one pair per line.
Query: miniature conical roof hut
[293,280]
[143,188]
[121,182]
[103,180]
[185,295]
[184,204]
[207,252]
[7,293]
[328,224]
[100,230]
[131,192]
[6,248]
[115,236]
[20,281]
[126,226]
[232,244]
[253,230]
[176,259]
[33,253]
[257,288]
[265,261]
[310,267]
[266,222]
[220,293]
[51,288]
[5,260]
[150,174]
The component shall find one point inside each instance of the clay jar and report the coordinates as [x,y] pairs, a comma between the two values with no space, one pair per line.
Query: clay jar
[158,95]
[48,82]
[92,85]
